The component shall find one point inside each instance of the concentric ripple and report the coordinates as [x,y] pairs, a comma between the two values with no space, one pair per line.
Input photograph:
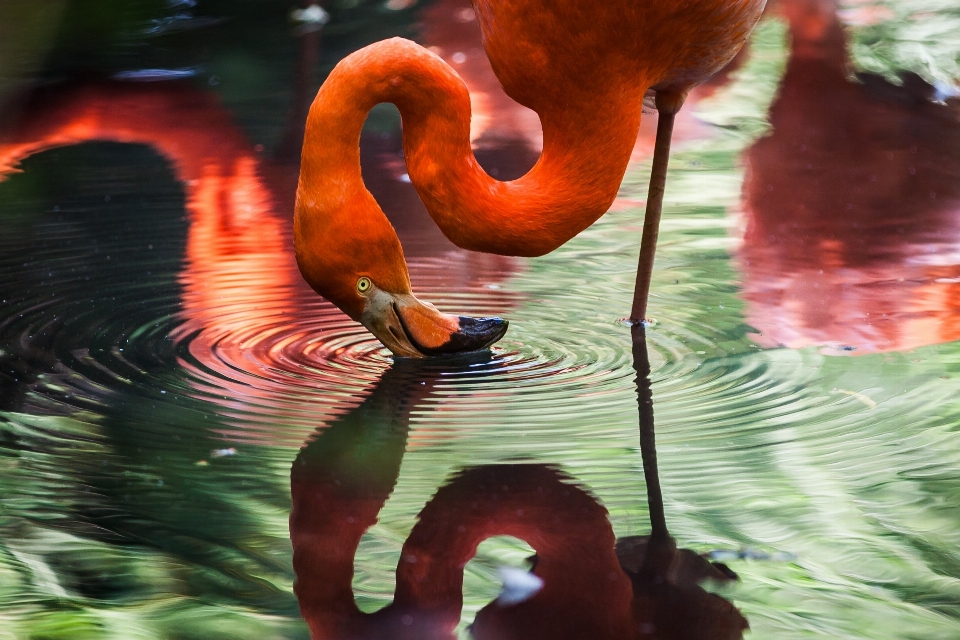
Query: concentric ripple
[232,324]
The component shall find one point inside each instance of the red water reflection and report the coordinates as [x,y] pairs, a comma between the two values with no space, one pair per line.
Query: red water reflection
[852,204]
[238,272]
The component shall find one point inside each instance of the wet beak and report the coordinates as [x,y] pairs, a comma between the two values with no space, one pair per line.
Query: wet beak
[415,329]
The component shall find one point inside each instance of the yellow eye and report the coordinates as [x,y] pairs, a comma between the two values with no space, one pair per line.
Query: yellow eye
[363,285]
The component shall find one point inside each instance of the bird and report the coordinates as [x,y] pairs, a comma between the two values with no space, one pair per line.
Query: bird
[239,278]
[583,67]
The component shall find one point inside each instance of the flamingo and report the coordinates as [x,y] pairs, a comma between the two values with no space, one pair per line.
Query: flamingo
[583,67]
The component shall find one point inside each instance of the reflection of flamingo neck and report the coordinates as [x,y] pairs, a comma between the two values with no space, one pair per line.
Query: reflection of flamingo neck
[338,485]
[225,193]
[335,499]
[237,271]
[816,33]
[189,128]
[568,529]
[325,529]
[587,143]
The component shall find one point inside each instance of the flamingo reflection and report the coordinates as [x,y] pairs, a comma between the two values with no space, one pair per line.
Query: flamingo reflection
[591,585]
[852,204]
[235,238]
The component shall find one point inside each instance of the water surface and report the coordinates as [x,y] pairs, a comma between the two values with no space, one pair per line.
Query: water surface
[167,380]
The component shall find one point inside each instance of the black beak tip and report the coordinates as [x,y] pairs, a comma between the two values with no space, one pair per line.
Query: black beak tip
[475,334]
[491,329]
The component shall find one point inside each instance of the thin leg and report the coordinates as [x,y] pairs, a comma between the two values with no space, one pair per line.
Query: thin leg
[667,106]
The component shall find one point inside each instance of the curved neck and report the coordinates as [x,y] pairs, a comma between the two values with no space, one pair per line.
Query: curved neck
[587,144]
[325,530]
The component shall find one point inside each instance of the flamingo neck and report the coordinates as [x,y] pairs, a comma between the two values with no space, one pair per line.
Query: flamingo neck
[587,144]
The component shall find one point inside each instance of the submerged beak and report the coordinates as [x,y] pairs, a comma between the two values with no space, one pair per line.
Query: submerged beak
[415,329]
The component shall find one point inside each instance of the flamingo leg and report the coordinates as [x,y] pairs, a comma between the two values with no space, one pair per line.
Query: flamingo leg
[668,104]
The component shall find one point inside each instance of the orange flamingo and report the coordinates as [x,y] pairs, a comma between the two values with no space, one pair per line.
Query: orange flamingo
[583,68]
[240,292]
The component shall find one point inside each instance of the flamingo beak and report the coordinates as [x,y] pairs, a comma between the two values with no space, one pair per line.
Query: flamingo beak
[414,329]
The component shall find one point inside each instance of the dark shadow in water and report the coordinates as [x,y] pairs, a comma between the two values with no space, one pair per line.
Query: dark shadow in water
[593,586]
[61,241]
[305,68]
[852,203]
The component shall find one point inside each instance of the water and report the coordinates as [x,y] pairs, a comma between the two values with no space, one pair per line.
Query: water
[165,374]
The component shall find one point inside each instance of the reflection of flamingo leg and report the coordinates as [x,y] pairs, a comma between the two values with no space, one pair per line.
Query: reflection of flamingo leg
[641,364]
[666,579]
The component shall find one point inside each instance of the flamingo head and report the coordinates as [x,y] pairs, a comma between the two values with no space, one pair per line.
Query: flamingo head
[361,269]
[412,328]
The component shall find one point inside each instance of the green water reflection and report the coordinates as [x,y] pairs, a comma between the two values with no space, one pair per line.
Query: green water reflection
[156,387]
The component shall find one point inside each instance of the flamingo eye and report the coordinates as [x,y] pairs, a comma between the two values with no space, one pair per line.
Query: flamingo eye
[363,285]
